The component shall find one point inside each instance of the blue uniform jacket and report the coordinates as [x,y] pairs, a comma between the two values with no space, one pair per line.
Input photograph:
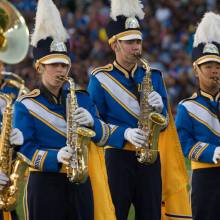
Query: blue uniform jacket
[115,93]
[9,89]
[43,125]
[198,127]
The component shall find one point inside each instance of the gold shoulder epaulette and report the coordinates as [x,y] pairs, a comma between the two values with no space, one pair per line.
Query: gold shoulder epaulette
[153,70]
[194,95]
[105,68]
[33,93]
[79,88]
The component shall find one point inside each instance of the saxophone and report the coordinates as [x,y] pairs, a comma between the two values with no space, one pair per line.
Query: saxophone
[78,138]
[9,195]
[149,121]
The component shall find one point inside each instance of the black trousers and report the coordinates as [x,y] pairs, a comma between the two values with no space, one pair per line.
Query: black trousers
[206,194]
[50,196]
[133,182]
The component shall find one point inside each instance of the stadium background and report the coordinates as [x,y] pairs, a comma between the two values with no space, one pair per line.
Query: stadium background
[168,29]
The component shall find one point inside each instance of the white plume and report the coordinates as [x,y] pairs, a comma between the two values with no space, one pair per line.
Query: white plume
[128,8]
[208,29]
[48,23]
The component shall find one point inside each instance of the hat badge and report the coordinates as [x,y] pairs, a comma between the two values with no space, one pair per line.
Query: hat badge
[210,48]
[58,46]
[131,22]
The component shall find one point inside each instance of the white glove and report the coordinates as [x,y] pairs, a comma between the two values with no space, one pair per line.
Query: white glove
[64,154]
[216,155]
[155,100]
[135,136]
[16,137]
[83,117]
[3,180]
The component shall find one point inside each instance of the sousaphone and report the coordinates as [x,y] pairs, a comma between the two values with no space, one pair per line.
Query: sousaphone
[14,34]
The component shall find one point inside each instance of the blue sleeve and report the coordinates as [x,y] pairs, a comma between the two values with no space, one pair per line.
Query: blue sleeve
[193,148]
[116,137]
[101,129]
[45,160]
[97,94]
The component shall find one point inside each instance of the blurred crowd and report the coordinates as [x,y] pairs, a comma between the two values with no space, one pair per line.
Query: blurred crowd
[168,29]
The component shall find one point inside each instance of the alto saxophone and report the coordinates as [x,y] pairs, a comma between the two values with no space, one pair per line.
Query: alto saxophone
[9,195]
[149,121]
[78,138]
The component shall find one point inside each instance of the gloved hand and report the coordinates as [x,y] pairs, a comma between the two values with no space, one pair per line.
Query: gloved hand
[3,180]
[83,117]
[216,155]
[135,136]
[155,100]
[64,154]
[16,137]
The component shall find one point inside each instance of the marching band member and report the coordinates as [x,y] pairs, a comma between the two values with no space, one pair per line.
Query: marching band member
[6,79]
[198,120]
[16,138]
[114,90]
[41,116]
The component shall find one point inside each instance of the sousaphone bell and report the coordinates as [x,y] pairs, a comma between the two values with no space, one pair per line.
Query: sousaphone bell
[14,34]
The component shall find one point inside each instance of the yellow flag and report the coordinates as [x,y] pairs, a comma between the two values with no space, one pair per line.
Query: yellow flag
[7,216]
[103,206]
[176,200]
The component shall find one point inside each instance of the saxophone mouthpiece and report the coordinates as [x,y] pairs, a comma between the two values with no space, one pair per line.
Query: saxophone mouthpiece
[138,55]
[62,78]
[216,79]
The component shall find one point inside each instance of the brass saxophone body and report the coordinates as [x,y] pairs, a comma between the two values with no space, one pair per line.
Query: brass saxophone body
[78,138]
[150,121]
[9,195]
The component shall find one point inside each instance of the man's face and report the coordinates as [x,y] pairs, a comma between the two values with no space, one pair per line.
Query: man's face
[209,75]
[127,50]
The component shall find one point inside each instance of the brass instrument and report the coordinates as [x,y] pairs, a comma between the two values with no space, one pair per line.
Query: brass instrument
[9,195]
[216,79]
[78,139]
[16,81]
[150,121]
[14,34]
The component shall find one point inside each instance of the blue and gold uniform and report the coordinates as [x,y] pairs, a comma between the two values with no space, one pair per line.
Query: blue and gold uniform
[115,93]
[198,121]
[198,127]
[41,118]
[7,88]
